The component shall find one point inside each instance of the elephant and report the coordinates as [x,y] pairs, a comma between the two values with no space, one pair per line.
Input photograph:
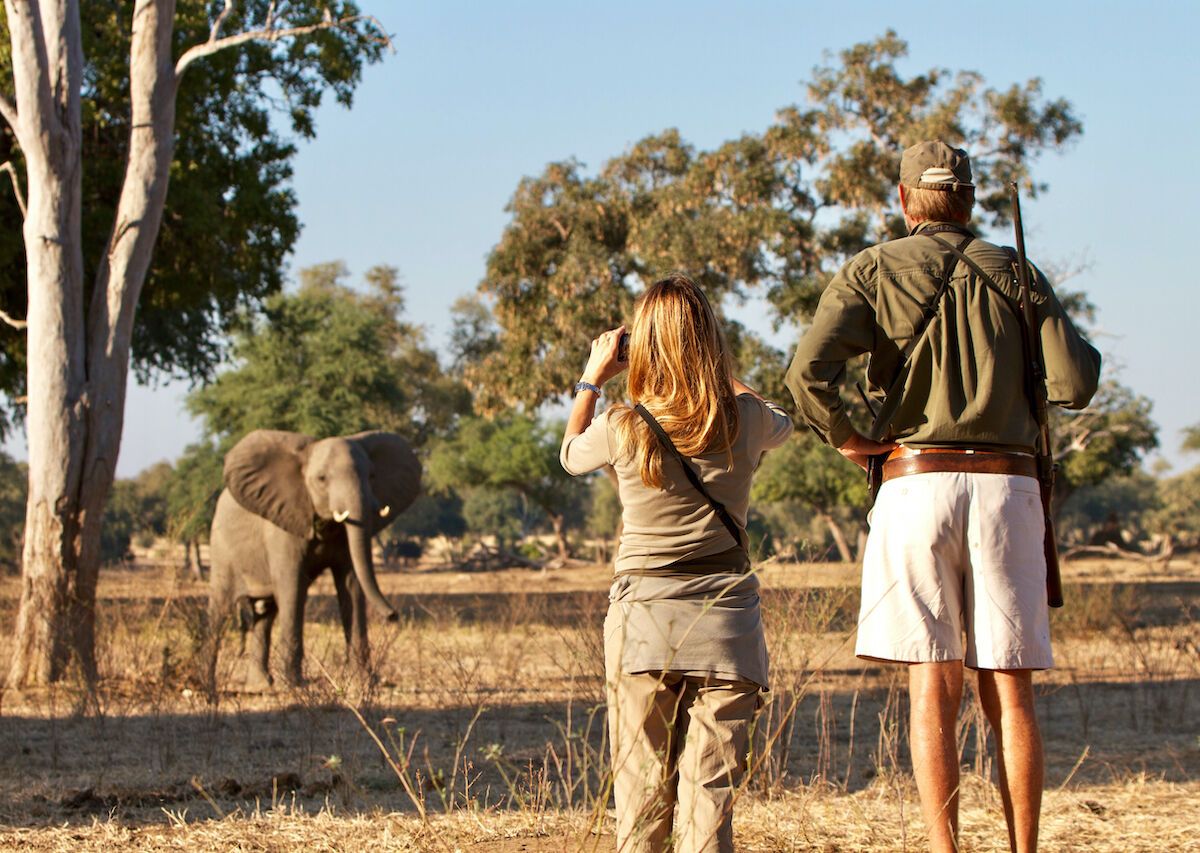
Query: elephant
[292,507]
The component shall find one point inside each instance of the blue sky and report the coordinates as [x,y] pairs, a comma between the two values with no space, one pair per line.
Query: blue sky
[417,174]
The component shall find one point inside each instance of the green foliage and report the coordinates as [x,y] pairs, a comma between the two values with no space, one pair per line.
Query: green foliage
[808,471]
[1114,507]
[14,485]
[1107,439]
[789,529]
[121,522]
[1191,438]
[138,510]
[230,215]
[152,484]
[514,453]
[502,513]
[328,360]
[1178,511]
[812,480]
[777,210]
[193,490]
[431,514]
[604,508]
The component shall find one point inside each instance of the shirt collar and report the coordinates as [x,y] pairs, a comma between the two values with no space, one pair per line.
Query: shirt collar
[935,227]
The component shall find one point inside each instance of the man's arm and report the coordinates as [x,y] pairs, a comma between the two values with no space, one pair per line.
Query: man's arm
[843,327]
[1072,364]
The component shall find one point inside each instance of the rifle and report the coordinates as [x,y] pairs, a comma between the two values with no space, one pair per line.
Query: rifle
[1035,378]
[875,461]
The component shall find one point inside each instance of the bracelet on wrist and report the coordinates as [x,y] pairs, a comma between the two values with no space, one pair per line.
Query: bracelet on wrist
[587,386]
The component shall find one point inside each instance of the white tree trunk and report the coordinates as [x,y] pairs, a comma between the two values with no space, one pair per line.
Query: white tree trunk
[47,73]
[77,375]
[76,383]
[122,272]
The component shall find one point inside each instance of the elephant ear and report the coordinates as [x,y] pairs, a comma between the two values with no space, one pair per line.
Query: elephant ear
[396,470]
[265,474]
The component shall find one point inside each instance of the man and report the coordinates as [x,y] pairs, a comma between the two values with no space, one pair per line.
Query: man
[954,572]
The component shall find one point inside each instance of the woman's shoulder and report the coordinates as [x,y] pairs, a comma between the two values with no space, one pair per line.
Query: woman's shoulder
[749,405]
[609,419]
[611,415]
[746,400]
[762,420]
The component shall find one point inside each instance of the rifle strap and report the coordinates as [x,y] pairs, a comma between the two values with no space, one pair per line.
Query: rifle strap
[693,477]
[892,398]
[1035,375]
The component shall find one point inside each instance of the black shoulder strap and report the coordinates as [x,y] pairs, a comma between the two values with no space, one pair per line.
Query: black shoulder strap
[978,270]
[693,477]
[1034,372]
[892,398]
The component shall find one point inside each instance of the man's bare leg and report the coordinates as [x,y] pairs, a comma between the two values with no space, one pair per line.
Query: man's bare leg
[1007,697]
[935,692]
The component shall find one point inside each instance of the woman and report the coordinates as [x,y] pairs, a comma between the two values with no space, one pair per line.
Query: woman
[685,658]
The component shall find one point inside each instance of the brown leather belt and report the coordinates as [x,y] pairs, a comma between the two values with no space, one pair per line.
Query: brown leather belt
[906,460]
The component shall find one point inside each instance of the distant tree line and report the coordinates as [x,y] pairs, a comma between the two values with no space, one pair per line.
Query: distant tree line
[770,214]
[331,358]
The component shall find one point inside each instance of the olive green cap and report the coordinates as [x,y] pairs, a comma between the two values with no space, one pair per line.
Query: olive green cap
[934,165]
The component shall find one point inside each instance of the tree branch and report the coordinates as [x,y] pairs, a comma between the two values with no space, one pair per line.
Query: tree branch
[7,166]
[11,320]
[216,27]
[9,111]
[268,32]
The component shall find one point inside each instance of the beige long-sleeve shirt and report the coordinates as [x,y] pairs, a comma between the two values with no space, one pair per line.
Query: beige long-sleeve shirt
[700,615]
[662,526]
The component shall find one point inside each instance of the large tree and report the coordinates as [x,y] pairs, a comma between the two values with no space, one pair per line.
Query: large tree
[331,360]
[513,453]
[807,471]
[13,478]
[1107,439]
[1178,512]
[196,481]
[777,210]
[87,255]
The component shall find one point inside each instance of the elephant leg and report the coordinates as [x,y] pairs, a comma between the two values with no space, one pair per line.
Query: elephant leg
[352,606]
[291,603]
[261,617]
[221,609]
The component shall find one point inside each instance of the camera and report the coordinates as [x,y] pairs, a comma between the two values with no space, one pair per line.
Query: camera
[623,347]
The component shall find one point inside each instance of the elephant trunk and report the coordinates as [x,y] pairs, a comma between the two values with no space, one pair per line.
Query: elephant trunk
[359,539]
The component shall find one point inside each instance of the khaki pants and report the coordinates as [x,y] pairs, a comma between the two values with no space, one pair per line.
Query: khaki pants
[677,740]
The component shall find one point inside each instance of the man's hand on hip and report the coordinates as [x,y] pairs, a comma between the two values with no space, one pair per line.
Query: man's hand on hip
[858,448]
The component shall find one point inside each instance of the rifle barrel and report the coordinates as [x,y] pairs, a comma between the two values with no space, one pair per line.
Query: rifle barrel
[1036,380]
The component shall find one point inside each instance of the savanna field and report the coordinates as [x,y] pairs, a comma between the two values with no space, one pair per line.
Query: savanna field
[483,726]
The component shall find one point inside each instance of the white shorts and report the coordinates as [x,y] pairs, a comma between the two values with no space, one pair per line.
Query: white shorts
[954,570]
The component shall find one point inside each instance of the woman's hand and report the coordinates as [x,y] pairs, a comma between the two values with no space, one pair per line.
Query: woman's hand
[602,364]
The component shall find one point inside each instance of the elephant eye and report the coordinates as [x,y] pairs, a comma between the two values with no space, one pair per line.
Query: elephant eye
[321,478]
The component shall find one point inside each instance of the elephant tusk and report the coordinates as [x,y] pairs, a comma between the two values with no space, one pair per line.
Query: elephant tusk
[341,516]
[385,511]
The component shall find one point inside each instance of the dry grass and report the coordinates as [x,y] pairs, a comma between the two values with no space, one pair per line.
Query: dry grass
[487,704]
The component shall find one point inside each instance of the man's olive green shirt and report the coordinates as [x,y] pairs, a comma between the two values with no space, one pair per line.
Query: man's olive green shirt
[965,383]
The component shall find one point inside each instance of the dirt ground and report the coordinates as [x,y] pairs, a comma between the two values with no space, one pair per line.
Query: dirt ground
[482,726]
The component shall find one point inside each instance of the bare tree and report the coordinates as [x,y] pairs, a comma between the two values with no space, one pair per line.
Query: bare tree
[79,360]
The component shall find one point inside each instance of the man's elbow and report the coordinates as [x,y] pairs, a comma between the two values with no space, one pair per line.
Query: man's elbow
[1077,393]
[794,380]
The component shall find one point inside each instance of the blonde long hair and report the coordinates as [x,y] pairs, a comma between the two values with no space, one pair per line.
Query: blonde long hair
[681,371]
